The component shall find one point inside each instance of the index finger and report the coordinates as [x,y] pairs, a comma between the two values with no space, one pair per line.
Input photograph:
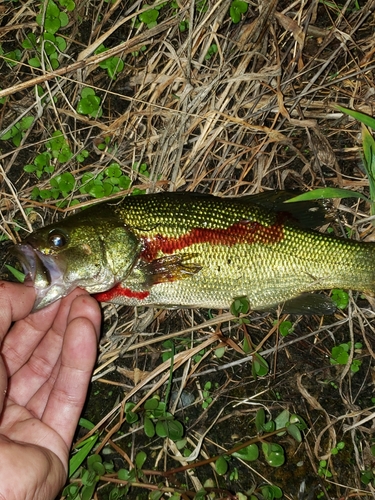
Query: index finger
[16,302]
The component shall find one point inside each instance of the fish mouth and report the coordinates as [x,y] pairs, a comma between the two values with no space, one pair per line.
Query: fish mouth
[44,271]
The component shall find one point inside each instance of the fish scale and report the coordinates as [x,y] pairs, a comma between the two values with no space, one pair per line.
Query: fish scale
[270,261]
[179,250]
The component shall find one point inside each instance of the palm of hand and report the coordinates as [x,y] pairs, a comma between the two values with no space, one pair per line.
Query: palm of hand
[48,357]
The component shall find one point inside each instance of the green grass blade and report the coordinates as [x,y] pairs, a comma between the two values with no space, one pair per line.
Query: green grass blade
[17,274]
[368,144]
[361,117]
[318,194]
[80,456]
[83,422]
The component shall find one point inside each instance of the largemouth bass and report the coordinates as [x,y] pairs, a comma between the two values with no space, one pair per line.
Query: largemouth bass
[190,250]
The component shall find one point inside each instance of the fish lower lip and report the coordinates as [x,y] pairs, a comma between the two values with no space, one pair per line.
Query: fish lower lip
[29,260]
[42,270]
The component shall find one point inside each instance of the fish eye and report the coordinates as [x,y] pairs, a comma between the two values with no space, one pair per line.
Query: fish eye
[57,239]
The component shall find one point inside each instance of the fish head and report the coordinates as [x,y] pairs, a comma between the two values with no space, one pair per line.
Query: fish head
[93,250]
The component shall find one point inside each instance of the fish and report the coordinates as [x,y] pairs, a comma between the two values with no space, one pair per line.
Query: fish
[175,250]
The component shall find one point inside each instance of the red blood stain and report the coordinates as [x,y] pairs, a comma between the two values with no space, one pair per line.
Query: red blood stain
[241,232]
[119,291]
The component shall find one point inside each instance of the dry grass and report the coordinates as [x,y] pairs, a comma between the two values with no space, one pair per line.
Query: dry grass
[256,116]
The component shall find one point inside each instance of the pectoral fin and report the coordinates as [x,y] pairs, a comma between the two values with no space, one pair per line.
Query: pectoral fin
[170,268]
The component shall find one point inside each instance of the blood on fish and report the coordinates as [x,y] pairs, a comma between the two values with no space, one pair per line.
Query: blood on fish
[118,291]
[241,232]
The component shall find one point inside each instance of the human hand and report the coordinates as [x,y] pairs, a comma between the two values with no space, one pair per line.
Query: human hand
[45,368]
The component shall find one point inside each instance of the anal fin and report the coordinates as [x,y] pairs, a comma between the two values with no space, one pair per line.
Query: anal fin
[309,303]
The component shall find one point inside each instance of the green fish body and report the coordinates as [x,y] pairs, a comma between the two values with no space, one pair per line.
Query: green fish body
[189,250]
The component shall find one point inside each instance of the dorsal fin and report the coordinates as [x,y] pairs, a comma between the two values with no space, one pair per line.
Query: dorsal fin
[306,214]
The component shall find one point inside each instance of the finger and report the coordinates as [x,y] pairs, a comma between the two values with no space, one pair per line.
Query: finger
[37,364]
[16,302]
[39,335]
[68,395]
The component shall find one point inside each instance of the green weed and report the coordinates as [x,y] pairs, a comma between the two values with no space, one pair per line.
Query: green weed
[206,394]
[337,8]
[259,366]
[47,47]
[340,298]
[87,470]
[158,421]
[149,17]
[236,9]
[240,306]
[57,149]
[201,5]
[89,104]
[211,51]
[63,184]
[106,145]
[137,52]
[110,181]
[340,446]
[89,478]
[41,165]
[141,168]
[285,328]
[12,57]
[183,26]
[269,492]
[114,65]
[52,19]
[368,475]
[17,132]
[293,424]
[272,452]
[221,465]
[340,356]
[323,469]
